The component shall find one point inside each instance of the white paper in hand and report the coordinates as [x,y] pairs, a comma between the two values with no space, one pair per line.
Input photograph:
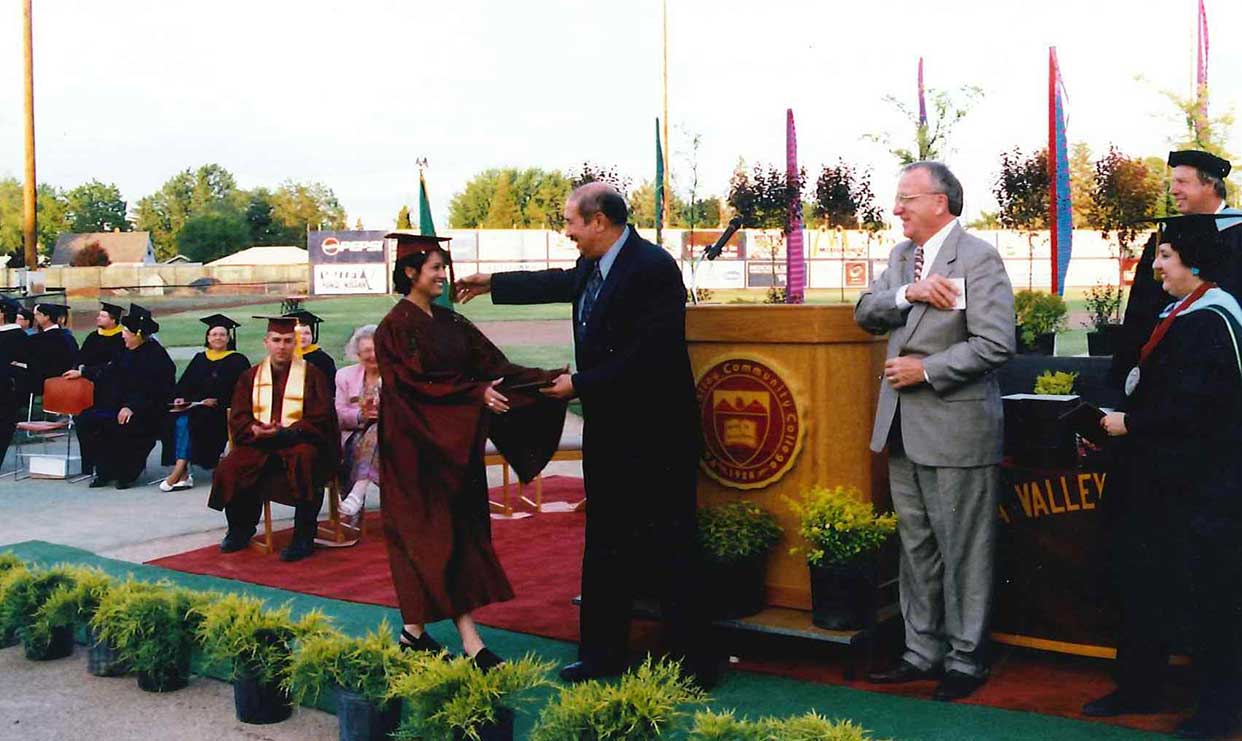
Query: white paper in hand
[960,285]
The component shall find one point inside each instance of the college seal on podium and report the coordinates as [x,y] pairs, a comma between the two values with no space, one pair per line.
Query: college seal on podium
[752,423]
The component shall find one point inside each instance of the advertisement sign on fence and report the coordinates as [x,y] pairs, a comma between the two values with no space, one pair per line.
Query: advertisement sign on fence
[347,262]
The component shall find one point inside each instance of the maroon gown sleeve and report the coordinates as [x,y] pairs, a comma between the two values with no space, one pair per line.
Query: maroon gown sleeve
[241,411]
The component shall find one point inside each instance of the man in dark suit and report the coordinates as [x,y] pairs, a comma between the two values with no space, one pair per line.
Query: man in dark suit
[641,437]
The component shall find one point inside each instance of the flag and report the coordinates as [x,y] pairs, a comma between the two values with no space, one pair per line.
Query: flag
[1060,220]
[427,228]
[795,268]
[1201,68]
[922,99]
[659,188]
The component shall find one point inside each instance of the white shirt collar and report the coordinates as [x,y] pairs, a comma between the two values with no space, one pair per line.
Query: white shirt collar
[7,327]
[605,262]
[1221,207]
[932,247]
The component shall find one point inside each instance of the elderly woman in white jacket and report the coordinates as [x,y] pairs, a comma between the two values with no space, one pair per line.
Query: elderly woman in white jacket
[357,410]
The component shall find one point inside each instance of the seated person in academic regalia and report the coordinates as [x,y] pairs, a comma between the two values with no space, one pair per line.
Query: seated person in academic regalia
[54,349]
[26,320]
[14,359]
[198,429]
[284,444]
[132,392]
[105,342]
[308,337]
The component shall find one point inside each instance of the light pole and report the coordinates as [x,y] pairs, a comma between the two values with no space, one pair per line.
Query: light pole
[29,219]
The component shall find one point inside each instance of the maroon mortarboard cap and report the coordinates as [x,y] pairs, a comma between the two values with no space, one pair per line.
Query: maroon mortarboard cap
[409,243]
[1203,161]
[279,324]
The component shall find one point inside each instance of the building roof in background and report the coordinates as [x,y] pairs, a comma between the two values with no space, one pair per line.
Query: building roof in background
[134,248]
[274,255]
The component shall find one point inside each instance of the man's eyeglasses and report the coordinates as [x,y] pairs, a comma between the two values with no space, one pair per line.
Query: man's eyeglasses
[903,200]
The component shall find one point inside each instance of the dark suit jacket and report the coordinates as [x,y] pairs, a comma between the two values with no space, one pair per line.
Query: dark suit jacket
[634,375]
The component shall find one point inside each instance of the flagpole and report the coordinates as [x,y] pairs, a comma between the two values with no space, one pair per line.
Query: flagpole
[1052,171]
[29,212]
[664,78]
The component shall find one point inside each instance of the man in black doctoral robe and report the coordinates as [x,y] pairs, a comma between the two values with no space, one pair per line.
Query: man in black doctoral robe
[14,359]
[132,392]
[54,349]
[105,342]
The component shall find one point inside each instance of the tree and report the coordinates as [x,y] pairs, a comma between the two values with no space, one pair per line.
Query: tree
[183,196]
[1021,191]
[403,218]
[1082,184]
[303,206]
[1124,194]
[539,196]
[844,199]
[93,255]
[49,209]
[503,211]
[591,172]
[701,213]
[642,207]
[1200,130]
[210,236]
[261,221]
[931,139]
[96,207]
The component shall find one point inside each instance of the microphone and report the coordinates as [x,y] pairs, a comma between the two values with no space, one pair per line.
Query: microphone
[711,253]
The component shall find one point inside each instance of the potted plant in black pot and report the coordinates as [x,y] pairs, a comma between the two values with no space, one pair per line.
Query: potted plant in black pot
[735,539]
[71,606]
[12,571]
[710,725]
[257,644]
[149,626]
[844,537]
[24,595]
[360,671]
[1038,317]
[453,699]
[646,703]
[1104,305]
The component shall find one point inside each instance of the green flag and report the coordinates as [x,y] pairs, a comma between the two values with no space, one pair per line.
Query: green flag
[427,228]
[659,188]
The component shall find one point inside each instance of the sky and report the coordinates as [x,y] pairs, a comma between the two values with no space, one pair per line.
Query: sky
[353,93]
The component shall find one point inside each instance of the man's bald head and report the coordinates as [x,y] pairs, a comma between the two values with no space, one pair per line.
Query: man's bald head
[600,198]
[595,216]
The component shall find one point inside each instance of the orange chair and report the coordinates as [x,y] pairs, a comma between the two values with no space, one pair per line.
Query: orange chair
[64,398]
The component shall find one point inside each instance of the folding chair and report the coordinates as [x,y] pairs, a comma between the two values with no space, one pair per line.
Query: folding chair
[64,398]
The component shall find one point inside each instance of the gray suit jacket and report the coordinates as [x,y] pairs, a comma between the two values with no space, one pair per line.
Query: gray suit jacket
[956,420]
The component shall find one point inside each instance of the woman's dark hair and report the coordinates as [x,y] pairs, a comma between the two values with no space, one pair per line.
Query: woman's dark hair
[232,339]
[400,282]
[1202,251]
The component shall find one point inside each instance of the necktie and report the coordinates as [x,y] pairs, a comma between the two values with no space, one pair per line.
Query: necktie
[590,293]
[918,263]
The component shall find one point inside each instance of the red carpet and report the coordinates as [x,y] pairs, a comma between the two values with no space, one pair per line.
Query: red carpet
[542,557]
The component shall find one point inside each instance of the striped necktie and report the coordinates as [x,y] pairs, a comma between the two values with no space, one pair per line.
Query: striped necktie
[918,263]
[589,294]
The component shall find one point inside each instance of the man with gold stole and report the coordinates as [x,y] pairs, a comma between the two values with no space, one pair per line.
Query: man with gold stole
[284,444]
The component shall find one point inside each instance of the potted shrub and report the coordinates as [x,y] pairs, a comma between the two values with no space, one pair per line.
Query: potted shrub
[645,703]
[361,672]
[844,536]
[25,592]
[454,699]
[257,644]
[735,539]
[1038,318]
[149,626]
[1104,306]
[723,726]
[1055,383]
[70,606]
[11,568]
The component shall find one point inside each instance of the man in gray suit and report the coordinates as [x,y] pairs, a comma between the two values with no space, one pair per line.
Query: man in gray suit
[947,305]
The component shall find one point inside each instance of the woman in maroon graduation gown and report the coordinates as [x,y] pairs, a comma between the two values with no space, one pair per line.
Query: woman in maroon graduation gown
[441,397]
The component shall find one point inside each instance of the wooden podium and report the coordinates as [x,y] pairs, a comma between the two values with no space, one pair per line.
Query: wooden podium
[787,395]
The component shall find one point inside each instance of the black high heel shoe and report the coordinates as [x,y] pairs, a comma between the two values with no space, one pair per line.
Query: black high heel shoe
[486,660]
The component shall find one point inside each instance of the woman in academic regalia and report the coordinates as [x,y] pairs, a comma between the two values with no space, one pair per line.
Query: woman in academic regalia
[308,339]
[440,399]
[1177,522]
[132,392]
[198,429]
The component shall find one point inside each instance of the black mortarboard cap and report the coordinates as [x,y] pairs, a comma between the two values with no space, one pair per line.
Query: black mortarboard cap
[1195,237]
[113,310]
[1200,160]
[307,319]
[220,320]
[139,320]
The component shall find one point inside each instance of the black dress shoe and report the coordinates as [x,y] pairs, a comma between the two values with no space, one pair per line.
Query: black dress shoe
[1208,724]
[580,671]
[235,541]
[423,643]
[957,685]
[297,551]
[124,484]
[903,672]
[1120,702]
[98,482]
[486,660]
